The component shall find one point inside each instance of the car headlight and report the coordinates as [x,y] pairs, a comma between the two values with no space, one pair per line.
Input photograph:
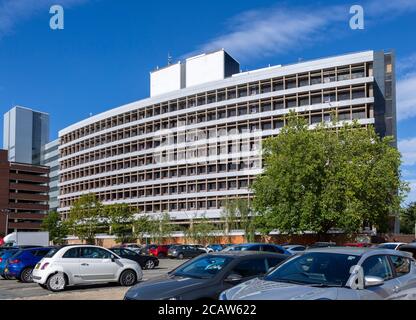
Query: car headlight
[223,296]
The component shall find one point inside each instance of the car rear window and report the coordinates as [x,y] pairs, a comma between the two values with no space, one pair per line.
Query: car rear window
[51,253]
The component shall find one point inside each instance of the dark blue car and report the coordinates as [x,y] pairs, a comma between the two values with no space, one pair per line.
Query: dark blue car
[268,247]
[21,264]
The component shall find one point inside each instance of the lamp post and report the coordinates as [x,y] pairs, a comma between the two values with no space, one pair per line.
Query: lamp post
[6,212]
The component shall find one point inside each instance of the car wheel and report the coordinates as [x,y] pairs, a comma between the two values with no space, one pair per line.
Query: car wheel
[128,278]
[5,276]
[150,264]
[26,275]
[180,256]
[56,282]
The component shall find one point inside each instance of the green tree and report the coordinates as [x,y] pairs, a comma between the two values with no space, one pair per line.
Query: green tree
[316,180]
[246,218]
[144,226]
[87,218]
[238,214]
[408,219]
[56,227]
[161,227]
[229,218]
[199,231]
[120,220]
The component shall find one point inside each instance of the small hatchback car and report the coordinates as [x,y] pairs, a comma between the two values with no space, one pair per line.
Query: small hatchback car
[80,264]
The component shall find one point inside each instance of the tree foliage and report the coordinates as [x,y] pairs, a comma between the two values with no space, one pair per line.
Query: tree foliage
[408,219]
[199,231]
[316,180]
[143,226]
[87,218]
[56,227]
[120,220]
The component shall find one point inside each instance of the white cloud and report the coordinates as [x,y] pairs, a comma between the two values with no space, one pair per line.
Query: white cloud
[265,32]
[13,12]
[276,30]
[406,96]
[407,148]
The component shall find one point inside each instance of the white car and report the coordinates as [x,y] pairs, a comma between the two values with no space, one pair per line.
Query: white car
[391,245]
[84,264]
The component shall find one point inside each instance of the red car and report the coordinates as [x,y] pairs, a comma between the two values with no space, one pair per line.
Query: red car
[358,244]
[159,251]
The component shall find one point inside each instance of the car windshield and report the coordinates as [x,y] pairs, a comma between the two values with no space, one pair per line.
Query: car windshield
[204,268]
[315,268]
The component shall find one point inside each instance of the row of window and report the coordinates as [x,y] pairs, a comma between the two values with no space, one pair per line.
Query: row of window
[229,129]
[218,95]
[224,112]
[200,203]
[163,174]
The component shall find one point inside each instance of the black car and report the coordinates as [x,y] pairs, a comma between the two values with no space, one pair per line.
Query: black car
[145,261]
[322,245]
[184,251]
[206,276]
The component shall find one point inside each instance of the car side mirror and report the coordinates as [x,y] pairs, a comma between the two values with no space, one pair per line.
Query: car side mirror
[113,258]
[371,281]
[233,278]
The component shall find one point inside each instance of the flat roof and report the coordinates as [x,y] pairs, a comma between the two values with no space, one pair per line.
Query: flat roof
[298,67]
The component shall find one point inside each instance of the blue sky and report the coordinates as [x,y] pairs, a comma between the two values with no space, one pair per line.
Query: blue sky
[103,56]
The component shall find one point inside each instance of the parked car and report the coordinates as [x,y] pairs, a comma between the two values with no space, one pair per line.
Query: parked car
[339,273]
[160,251]
[216,247]
[4,255]
[357,244]
[322,245]
[205,277]
[132,246]
[202,247]
[294,248]
[411,247]
[184,251]
[21,264]
[145,261]
[258,247]
[84,264]
[390,245]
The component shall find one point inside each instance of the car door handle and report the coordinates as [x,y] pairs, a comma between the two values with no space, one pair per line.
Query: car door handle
[396,289]
[85,264]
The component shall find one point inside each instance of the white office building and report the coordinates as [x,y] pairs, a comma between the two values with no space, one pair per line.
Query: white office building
[195,143]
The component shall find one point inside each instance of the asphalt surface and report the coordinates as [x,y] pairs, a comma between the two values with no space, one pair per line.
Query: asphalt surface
[13,289]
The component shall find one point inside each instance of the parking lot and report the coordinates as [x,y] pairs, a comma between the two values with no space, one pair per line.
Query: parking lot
[12,289]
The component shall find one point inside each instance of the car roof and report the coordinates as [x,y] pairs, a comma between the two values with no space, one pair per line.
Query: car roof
[253,244]
[245,253]
[293,245]
[392,243]
[357,251]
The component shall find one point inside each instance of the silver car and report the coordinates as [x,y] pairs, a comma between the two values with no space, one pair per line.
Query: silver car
[334,274]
